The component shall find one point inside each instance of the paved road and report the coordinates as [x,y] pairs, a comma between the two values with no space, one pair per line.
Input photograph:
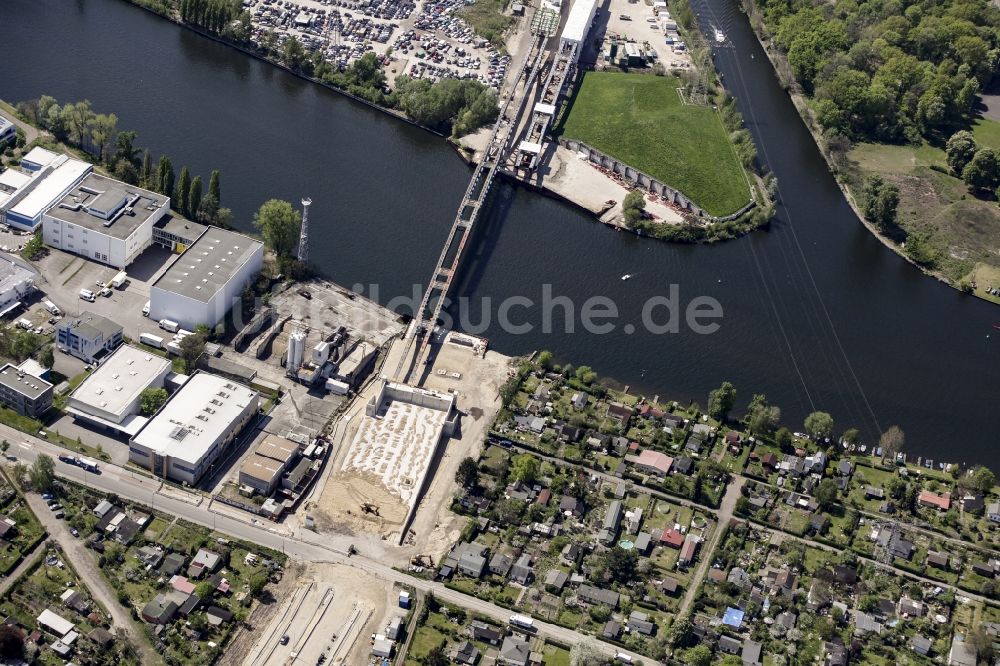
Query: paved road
[145,490]
[90,573]
[724,515]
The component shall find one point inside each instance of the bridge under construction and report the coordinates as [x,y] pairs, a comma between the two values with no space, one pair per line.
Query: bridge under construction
[541,77]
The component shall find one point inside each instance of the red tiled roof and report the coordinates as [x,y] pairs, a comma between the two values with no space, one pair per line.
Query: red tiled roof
[661,462]
[928,498]
[672,538]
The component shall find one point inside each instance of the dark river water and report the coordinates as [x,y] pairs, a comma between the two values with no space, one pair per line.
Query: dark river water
[817,314]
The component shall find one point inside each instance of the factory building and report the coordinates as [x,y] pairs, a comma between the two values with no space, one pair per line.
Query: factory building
[263,469]
[194,428]
[89,337]
[581,15]
[104,220]
[25,394]
[16,283]
[109,397]
[202,284]
[50,177]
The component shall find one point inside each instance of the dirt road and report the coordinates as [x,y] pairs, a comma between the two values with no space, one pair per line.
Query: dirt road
[83,560]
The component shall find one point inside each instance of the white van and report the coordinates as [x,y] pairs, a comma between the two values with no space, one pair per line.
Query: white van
[145,309]
[52,308]
[88,295]
[170,326]
[25,324]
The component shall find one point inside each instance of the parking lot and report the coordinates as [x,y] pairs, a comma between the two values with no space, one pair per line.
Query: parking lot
[422,39]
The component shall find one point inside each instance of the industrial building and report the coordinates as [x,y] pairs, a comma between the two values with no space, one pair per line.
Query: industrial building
[25,394]
[194,428]
[50,177]
[581,15]
[399,436]
[7,131]
[105,220]
[202,284]
[89,337]
[16,283]
[262,470]
[176,234]
[109,397]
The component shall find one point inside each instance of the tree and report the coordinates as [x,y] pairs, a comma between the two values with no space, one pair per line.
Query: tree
[960,149]
[881,200]
[279,224]
[151,399]
[585,653]
[699,655]
[194,197]
[783,438]
[204,590]
[982,643]
[585,374]
[47,357]
[892,441]
[545,359]
[192,347]
[214,188]
[633,208]
[721,401]
[258,582]
[621,564]
[762,418]
[437,655]
[165,176]
[147,169]
[11,643]
[826,493]
[819,425]
[42,473]
[983,170]
[468,473]
[980,479]
[851,436]
[293,53]
[524,468]
[183,190]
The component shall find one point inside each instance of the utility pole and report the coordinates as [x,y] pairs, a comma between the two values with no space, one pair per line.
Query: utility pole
[304,233]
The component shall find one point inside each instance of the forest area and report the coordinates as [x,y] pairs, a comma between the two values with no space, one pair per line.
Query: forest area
[896,92]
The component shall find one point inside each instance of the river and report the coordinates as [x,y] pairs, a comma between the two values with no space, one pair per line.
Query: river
[817,313]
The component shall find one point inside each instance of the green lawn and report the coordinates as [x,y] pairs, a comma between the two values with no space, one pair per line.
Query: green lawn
[640,119]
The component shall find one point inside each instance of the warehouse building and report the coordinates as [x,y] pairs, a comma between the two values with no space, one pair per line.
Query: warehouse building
[16,283]
[25,394]
[109,397]
[105,220]
[194,429]
[202,284]
[90,337]
[263,469]
[581,15]
[50,177]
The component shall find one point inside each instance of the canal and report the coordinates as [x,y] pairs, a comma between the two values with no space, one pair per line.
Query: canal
[817,313]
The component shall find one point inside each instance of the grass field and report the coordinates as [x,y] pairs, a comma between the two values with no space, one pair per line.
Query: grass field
[487,18]
[640,119]
[961,230]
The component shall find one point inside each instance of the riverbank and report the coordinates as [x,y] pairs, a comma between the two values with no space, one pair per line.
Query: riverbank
[782,71]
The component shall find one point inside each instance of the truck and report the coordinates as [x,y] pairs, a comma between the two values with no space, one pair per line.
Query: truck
[88,464]
[168,325]
[52,308]
[118,280]
[522,622]
[151,340]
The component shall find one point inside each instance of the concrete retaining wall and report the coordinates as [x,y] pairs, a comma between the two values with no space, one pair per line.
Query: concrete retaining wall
[647,182]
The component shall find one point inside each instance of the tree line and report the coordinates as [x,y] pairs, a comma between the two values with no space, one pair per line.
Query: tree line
[213,15]
[97,134]
[884,70]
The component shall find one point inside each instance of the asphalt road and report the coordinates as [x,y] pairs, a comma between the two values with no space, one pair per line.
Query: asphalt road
[195,508]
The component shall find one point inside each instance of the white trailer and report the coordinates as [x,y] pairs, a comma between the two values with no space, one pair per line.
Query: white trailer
[118,280]
[169,325]
[151,340]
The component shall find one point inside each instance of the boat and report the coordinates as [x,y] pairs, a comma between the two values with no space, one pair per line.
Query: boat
[996,326]
[627,276]
[720,36]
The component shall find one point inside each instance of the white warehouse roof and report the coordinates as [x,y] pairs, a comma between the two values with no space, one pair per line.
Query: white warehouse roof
[578,22]
[114,387]
[195,417]
[50,184]
[205,267]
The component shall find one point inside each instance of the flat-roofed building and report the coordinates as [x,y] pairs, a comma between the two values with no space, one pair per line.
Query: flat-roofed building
[262,470]
[109,397]
[202,284]
[16,283]
[7,131]
[51,177]
[25,394]
[90,337]
[194,428]
[176,234]
[105,220]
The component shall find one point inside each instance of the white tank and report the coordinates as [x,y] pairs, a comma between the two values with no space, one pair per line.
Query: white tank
[296,351]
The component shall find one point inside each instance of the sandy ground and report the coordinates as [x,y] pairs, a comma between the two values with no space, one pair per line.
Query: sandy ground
[331,610]
[584,184]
